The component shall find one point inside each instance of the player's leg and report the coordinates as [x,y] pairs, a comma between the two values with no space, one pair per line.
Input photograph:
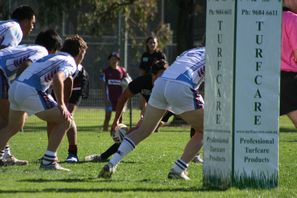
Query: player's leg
[72,137]
[197,158]
[15,123]
[59,126]
[293,117]
[195,118]
[150,121]
[4,108]
[103,156]
[108,111]
[4,117]
[111,150]
[189,107]
[152,116]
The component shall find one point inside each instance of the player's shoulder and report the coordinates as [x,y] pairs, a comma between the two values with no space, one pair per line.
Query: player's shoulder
[12,26]
[34,47]
[121,69]
[63,59]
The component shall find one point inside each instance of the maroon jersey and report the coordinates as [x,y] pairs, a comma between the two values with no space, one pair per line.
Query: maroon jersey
[112,78]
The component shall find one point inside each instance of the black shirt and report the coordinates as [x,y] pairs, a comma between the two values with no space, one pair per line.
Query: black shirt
[142,85]
[148,59]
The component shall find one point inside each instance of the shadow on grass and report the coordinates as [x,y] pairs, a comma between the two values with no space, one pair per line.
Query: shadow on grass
[113,190]
[31,128]
[287,130]
[101,162]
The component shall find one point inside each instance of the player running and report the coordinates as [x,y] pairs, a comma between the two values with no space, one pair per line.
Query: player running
[181,79]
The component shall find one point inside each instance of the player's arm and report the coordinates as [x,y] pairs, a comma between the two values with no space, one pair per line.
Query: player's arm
[58,87]
[68,86]
[104,86]
[125,96]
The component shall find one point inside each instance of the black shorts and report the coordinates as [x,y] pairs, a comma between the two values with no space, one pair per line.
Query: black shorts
[288,92]
[75,97]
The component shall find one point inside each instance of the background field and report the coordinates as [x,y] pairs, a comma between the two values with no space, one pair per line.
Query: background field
[142,174]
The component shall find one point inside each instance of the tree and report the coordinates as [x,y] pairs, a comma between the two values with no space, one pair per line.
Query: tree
[185,26]
[4,14]
[91,16]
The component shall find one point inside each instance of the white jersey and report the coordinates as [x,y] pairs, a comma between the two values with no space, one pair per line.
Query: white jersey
[11,33]
[188,68]
[12,57]
[40,74]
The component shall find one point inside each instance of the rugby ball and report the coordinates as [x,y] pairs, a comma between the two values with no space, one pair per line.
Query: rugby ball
[120,132]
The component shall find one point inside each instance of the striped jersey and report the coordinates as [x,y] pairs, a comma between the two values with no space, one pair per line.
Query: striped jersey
[188,68]
[12,57]
[11,33]
[40,74]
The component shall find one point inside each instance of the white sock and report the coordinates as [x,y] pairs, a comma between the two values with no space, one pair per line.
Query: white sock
[126,147]
[180,166]
[7,150]
[49,157]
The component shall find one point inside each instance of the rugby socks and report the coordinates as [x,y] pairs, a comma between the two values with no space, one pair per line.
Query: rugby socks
[126,147]
[49,157]
[110,151]
[7,151]
[180,166]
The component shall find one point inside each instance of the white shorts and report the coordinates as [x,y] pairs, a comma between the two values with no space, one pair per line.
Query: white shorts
[175,96]
[23,97]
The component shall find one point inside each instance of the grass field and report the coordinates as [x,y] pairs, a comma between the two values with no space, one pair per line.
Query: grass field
[143,173]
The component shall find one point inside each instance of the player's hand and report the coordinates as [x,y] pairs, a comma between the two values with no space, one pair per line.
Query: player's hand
[66,114]
[114,137]
[113,126]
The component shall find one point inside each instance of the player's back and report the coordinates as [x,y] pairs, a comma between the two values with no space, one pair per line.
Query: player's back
[189,67]
[12,57]
[40,74]
[10,33]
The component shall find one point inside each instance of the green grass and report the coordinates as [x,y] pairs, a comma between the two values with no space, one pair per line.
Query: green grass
[143,173]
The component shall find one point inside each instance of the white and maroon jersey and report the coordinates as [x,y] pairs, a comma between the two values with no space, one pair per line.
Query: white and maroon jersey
[188,68]
[40,74]
[11,33]
[12,57]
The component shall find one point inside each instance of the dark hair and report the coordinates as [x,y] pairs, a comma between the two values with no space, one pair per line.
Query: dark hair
[73,44]
[50,39]
[22,13]
[114,54]
[148,39]
[159,65]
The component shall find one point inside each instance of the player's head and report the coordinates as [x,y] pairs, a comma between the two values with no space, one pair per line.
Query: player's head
[114,54]
[151,44]
[49,39]
[159,66]
[76,47]
[114,59]
[26,18]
